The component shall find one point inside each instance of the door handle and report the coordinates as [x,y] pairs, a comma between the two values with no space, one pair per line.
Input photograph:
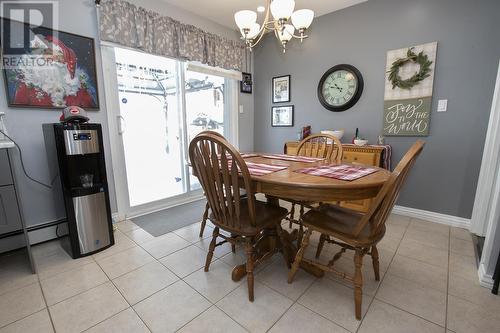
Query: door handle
[121,124]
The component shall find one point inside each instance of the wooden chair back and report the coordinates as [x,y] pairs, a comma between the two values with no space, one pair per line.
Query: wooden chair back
[323,146]
[384,201]
[222,172]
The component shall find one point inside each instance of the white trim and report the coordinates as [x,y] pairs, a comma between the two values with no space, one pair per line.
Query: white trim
[488,176]
[485,280]
[161,206]
[453,221]
[116,144]
[233,107]
[211,70]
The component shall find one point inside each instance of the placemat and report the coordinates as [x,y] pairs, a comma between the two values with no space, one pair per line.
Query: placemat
[341,172]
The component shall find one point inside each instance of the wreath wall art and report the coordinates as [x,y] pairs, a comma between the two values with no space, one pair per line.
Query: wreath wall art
[408,90]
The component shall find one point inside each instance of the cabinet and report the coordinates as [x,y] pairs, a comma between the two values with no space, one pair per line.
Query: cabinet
[11,217]
[363,155]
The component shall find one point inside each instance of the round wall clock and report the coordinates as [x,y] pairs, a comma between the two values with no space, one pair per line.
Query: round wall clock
[340,87]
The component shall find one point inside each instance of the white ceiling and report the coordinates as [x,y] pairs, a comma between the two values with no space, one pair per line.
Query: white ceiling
[222,11]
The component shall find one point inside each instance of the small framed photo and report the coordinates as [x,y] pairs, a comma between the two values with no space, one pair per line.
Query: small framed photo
[281,89]
[282,116]
[246,83]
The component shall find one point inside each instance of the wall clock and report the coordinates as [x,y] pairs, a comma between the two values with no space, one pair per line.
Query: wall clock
[340,87]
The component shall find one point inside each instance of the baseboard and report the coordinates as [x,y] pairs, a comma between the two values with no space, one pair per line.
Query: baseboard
[484,279]
[450,220]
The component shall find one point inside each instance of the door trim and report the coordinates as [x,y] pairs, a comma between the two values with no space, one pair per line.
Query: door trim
[483,210]
[116,145]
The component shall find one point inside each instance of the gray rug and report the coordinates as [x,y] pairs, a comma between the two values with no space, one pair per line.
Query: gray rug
[165,221]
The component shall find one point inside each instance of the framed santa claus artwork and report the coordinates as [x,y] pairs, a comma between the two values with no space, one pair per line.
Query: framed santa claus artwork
[51,69]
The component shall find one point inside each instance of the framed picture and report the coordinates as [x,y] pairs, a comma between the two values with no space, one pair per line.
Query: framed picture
[281,89]
[282,116]
[246,83]
[56,69]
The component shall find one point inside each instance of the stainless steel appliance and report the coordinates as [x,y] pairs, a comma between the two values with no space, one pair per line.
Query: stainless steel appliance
[75,151]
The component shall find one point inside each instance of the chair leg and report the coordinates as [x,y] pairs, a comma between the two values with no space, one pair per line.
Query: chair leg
[301,227]
[249,268]
[375,262]
[211,248]
[204,221]
[358,282]
[299,256]
[321,243]
[292,216]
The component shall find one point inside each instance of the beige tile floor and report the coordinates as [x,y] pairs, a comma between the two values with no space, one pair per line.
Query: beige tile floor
[145,283]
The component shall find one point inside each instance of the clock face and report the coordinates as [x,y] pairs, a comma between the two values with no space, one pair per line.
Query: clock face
[340,87]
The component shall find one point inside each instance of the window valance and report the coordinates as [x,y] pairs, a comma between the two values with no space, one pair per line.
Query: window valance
[124,23]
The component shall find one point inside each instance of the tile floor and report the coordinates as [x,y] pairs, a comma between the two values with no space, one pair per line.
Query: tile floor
[142,284]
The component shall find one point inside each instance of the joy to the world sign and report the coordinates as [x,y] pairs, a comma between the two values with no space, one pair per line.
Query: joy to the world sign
[408,90]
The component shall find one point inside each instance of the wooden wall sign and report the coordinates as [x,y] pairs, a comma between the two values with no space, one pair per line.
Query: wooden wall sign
[408,90]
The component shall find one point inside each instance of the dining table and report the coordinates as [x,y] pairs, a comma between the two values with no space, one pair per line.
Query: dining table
[290,184]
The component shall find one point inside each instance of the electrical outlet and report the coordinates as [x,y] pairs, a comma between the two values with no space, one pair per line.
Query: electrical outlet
[442,105]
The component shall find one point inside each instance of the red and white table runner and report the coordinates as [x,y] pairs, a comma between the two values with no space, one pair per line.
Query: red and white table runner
[292,158]
[260,169]
[341,172]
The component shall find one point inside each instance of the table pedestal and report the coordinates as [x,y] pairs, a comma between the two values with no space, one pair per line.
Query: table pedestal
[271,242]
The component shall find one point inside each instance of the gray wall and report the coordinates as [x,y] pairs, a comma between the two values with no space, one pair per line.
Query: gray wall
[24,125]
[444,179]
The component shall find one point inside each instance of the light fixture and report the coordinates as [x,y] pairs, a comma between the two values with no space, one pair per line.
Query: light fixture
[284,22]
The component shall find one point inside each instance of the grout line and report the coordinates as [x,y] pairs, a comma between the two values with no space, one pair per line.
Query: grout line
[383,277]
[46,305]
[293,303]
[385,302]
[410,313]
[121,294]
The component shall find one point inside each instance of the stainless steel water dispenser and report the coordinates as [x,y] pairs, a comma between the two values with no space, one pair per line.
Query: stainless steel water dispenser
[75,152]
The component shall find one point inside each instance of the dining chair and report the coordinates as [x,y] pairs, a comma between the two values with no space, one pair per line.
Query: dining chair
[321,146]
[222,172]
[205,214]
[352,230]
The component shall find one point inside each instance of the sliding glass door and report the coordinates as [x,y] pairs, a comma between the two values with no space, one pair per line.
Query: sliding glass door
[160,106]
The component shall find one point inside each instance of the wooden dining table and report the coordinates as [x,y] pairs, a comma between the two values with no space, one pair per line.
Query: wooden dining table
[304,187]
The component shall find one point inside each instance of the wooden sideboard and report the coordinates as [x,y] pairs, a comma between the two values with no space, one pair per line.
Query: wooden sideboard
[364,155]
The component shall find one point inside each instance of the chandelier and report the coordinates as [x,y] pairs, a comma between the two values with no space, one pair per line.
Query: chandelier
[285,23]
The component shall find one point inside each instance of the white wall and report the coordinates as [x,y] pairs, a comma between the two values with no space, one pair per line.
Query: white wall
[25,125]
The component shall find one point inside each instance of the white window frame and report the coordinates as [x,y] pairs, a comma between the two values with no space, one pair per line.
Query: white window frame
[116,143]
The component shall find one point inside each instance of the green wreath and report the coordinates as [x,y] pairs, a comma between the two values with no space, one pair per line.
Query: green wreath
[424,72]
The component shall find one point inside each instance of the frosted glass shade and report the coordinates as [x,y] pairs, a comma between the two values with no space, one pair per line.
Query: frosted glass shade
[254,31]
[302,18]
[282,9]
[245,19]
[287,33]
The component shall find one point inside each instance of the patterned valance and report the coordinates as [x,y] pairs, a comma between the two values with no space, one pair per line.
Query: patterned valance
[123,23]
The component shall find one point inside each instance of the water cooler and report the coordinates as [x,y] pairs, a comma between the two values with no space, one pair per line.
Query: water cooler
[75,152]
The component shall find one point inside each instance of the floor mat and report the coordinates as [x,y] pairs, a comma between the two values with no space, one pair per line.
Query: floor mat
[167,220]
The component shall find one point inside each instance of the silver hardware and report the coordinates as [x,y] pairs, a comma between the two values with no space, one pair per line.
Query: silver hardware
[91,222]
[81,142]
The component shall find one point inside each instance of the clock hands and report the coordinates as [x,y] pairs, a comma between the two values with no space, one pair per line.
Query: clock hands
[337,87]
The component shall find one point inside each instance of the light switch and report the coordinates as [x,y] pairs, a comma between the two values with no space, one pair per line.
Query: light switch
[241,109]
[442,105]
